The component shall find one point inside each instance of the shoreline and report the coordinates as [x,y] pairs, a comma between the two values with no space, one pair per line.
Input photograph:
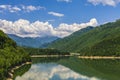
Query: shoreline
[99,57]
[39,56]
[12,70]
[81,57]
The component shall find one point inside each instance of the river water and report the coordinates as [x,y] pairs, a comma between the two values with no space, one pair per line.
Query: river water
[71,68]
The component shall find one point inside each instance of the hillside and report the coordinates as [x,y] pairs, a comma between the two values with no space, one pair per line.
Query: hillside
[10,55]
[32,42]
[102,40]
[64,43]
[106,47]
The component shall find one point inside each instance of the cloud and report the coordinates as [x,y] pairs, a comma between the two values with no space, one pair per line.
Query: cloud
[56,14]
[24,28]
[52,71]
[64,1]
[21,8]
[32,8]
[14,9]
[10,8]
[66,29]
[105,2]
[5,6]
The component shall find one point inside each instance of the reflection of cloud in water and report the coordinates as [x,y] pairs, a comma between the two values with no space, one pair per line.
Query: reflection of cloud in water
[52,71]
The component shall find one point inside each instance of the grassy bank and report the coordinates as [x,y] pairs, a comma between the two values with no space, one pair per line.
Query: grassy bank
[13,70]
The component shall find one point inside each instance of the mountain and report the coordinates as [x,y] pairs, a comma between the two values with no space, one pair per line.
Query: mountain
[32,42]
[102,40]
[10,55]
[67,42]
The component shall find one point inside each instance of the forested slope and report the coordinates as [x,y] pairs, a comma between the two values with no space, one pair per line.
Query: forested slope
[102,40]
[66,43]
[10,55]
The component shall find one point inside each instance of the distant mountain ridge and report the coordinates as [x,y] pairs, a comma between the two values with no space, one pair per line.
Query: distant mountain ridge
[103,40]
[32,42]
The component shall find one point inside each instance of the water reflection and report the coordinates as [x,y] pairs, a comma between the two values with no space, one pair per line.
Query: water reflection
[101,68]
[52,71]
[22,70]
[48,59]
[72,68]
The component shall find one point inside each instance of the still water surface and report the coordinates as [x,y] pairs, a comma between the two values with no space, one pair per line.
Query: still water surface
[71,68]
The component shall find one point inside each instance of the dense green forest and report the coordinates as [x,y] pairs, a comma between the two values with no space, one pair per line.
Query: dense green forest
[10,55]
[102,40]
[39,51]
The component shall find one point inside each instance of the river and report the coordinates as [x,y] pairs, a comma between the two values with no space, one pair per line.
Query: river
[70,68]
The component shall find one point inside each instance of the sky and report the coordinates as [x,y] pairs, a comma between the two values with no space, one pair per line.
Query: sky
[39,18]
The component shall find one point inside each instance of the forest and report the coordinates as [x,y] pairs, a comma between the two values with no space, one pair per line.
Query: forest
[10,55]
[44,51]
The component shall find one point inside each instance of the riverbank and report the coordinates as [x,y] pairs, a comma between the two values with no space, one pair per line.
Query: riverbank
[99,57]
[39,56]
[82,57]
[11,72]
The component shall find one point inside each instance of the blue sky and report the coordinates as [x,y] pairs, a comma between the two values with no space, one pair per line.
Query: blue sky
[75,11]
[60,11]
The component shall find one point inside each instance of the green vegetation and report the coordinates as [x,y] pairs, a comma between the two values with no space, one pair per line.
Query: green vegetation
[10,55]
[108,47]
[38,51]
[101,41]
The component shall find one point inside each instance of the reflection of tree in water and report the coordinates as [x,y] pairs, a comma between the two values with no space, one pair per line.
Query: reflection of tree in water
[47,59]
[22,70]
[105,69]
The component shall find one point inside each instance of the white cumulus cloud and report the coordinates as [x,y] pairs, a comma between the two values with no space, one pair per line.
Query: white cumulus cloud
[105,2]
[24,28]
[56,14]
